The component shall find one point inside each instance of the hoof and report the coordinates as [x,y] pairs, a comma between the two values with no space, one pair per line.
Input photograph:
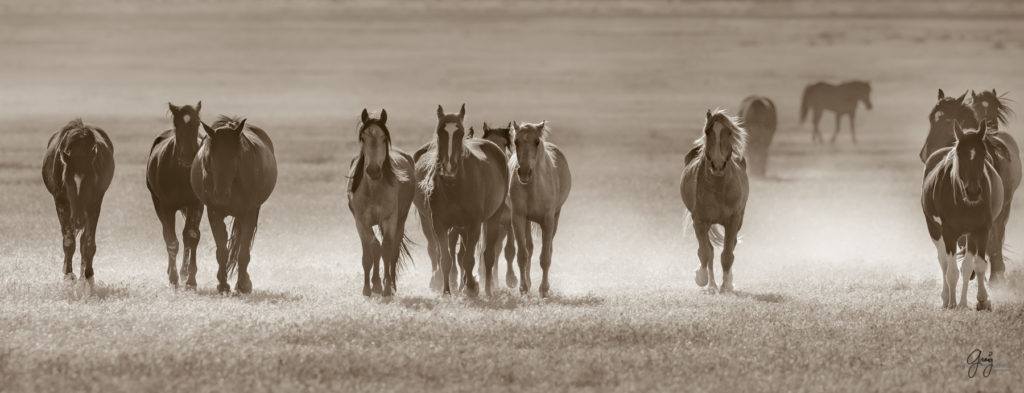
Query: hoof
[544,288]
[511,281]
[701,277]
[70,277]
[377,288]
[223,288]
[366,291]
[173,279]
[985,305]
[190,286]
[435,282]
[244,284]
[997,279]
[472,289]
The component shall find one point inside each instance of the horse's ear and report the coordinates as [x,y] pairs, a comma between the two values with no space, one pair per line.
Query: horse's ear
[199,106]
[708,116]
[509,125]
[462,112]
[209,131]
[241,126]
[383,116]
[973,95]
[515,125]
[957,131]
[174,109]
[485,127]
[941,94]
[471,130]
[365,116]
[994,93]
[962,96]
[543,124]
[440,112]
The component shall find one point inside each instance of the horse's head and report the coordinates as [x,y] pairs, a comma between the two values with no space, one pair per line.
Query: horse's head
[375,143]
[947,111]
[864,93]
[501,136]
[450,136]
[225,148]
[529,147]
[722,140]
[186,131]
[969,172]
[990,108]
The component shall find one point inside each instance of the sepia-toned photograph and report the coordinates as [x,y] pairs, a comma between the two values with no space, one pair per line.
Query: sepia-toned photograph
[511,196]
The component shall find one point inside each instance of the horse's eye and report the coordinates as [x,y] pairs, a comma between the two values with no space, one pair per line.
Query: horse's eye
[537,143]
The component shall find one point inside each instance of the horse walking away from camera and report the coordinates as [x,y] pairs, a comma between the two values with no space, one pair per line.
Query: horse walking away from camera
[541,186]
[502,136]
[962,196]
[77,170]
[380,192]
[1004,155]
[760,120]
[714,188]
[462,184]
[841,99]
[233,174]
[168,178]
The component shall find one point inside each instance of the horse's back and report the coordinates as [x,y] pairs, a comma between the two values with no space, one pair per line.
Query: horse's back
[264,173]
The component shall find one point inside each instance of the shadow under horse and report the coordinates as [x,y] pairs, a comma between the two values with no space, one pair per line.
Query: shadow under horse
[462,184]
[77,170]
[1004,156]
[714,188]
[169,180]
[233,174]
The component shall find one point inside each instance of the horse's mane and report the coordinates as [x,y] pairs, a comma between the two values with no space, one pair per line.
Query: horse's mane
[1003,111]
[225,121]
[738,141]
[74,132]
[426,162]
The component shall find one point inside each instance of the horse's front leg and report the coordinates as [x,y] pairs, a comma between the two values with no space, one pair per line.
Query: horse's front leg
[369,243]
[167,221]
[247,234]
[392,241]
[705,253]
[994,246]
[471,236]
[976,254]
[510,254]
[548,228]
[731,236]
[445,257]
[220,238]
[524,240]
[945,258]
[190,235]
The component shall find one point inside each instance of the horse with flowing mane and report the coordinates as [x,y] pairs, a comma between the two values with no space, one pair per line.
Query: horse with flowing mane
[541,186]
[962,196]
[462,184]
[233,174]
[841,99]
[77,170]
[1005,157]
[168,178]
[991,107]
[759,120]
[714,188]
[380,192]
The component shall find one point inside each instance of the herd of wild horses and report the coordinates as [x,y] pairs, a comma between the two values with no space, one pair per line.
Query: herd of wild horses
[509,179]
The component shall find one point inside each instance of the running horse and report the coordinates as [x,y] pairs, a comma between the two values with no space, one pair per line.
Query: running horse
[760,120]
[380,192]
[714,188]
[841,99]
[77,170]
[169,180]
[541,186]
[462,185]
[1003,152]
[233,174]
[962,196]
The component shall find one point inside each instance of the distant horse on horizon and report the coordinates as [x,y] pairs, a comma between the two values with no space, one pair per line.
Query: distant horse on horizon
[962,196]
[380,192]
[1005,157]
[759,120]
[841,99]
[233,174]
[77,170]
[462,183]
[714,187]
[540,187]
[169,180]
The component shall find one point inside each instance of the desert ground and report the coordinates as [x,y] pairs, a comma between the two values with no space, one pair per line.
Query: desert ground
[837,282]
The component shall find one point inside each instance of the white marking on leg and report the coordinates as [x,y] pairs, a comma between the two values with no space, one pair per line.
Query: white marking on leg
[981,269]
[952,275]
[966,269]
[944,259]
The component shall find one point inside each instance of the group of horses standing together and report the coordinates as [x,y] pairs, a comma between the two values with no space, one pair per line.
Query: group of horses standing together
[463,187]
[971,172]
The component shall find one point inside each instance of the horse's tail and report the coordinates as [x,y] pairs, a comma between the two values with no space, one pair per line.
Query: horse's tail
[404,256]
[805,106]
[717,235]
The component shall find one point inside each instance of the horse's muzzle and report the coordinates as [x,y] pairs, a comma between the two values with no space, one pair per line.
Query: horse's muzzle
[373,171]
[717,170]
[973,194]
[525,175]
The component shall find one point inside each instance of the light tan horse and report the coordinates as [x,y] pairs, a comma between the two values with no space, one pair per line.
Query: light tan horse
[380,192]
[759,120]
[714,188]
[539,188]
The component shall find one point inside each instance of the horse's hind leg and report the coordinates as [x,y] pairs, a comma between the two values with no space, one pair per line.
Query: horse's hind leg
[853,128]
[220,238]
[167,220]
[728,249]
[247,235]
[190,235]
[67,231]
[510,255]
[705,252]
[494,230]
[839,116]
[816,134]
[89,240]
[389,248]
[994,247]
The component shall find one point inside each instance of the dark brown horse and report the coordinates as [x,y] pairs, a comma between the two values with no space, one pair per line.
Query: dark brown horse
[841,99]
[714,188]
[991,107]
[233,174]
[169,180]
[962,196]
[380,192]
[540,189]
[462,184]
[1005,158]
[759,119]
[77,170]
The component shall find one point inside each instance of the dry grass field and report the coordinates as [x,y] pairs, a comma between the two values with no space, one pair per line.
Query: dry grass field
[838,285]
